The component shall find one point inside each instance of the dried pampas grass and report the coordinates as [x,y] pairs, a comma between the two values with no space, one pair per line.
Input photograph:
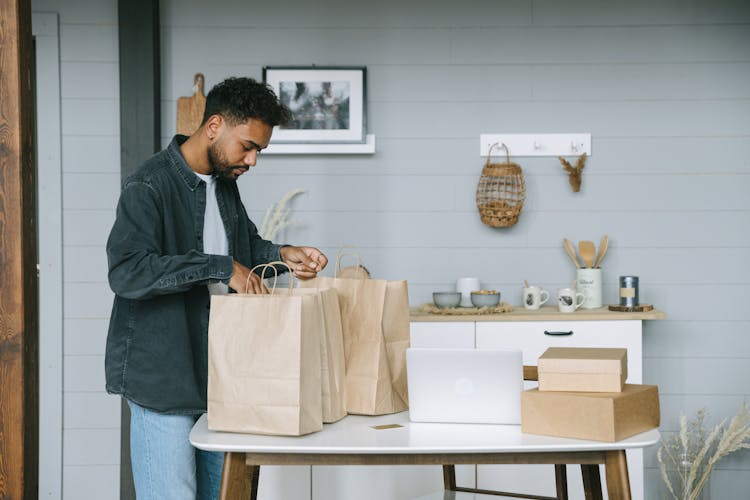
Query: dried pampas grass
[687,459]
[277,216]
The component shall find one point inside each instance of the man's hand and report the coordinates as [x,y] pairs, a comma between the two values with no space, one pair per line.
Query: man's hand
[305,262]
[243,281]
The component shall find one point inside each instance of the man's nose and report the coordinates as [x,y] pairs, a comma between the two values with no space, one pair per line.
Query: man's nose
[251,158]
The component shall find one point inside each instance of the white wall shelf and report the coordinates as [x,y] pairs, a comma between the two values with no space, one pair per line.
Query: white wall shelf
[536,144]
[368,147]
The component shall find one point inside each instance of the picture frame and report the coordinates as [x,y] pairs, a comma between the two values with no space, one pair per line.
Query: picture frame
[327,103]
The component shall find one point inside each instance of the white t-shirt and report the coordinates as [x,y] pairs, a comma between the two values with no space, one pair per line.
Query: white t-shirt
[214,234]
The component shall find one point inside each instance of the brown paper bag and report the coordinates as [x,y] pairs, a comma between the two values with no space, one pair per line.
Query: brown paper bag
[264,364]
[375,322]
[332,362]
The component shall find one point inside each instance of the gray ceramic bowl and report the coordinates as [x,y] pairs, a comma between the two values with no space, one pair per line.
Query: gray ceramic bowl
[485,299]
[446,299]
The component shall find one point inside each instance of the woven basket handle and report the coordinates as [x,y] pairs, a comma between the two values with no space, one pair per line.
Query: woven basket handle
[500,144]
[275,274]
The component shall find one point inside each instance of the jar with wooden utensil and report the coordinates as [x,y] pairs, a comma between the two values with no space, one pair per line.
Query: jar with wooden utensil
[589,283]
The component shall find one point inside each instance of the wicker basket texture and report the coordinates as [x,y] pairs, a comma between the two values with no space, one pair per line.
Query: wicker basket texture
[501,192]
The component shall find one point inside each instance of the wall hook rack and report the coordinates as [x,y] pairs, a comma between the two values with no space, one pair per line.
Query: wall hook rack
[538,144]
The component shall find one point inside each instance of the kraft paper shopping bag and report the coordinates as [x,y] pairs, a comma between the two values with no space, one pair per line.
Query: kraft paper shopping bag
[375,322]
[332,362]
[264,365]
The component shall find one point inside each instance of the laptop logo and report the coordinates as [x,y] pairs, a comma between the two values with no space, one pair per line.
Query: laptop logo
[464,386]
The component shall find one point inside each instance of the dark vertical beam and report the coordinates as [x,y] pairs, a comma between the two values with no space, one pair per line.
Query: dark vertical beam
[140,82]
[19,306]
[140,132]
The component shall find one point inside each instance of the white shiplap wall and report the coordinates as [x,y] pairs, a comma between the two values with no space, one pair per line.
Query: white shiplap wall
[90,186]
[663,87]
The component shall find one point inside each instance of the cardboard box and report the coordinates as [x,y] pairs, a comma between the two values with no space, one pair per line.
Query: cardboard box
[599,416]
[583,369]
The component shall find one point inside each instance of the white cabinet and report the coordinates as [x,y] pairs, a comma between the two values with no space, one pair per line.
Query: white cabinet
[459,334]
[534,337]
[283,482]
[376,482]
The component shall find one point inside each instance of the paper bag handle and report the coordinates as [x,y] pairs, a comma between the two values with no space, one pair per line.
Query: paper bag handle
[273,265]
[342,254]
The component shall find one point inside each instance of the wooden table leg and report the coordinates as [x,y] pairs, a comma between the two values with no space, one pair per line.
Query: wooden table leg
[238,480]
[616,470]
[561,481]
[592,483]
[449,477]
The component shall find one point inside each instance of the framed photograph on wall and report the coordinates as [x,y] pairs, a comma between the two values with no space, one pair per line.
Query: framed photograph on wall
[327,103]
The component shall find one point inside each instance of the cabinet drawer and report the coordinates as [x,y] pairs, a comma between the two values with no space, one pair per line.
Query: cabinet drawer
[534,337]
[442,334]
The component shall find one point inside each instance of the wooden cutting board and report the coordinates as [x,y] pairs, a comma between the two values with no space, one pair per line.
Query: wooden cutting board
[190,109]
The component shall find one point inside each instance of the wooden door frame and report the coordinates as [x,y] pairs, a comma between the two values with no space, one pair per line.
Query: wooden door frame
[19,333]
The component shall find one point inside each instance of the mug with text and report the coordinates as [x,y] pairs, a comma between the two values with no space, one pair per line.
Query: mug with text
[568,300]
[534,297]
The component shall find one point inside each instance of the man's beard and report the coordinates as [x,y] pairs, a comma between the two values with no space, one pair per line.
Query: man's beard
[220,167]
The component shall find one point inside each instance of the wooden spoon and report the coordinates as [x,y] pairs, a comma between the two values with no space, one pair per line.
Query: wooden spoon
[571,251]
[602,250]
[587,251]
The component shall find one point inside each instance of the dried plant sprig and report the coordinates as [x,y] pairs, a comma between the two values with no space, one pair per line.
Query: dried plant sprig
[276,218]
[574,173]
[698,462]
[694,452]
[664,475]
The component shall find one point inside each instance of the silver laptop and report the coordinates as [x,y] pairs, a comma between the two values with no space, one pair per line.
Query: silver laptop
[465,385]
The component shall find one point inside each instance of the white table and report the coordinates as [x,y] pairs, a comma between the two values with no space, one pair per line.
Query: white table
[393,440]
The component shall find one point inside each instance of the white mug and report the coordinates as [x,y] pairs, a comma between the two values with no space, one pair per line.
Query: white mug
[568,300]
[534,297]
[589,283]
[465,286]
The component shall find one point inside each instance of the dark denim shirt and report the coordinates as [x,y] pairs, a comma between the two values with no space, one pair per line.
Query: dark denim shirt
[157,344]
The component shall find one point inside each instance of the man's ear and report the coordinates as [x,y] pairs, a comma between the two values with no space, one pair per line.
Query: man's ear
[213,126]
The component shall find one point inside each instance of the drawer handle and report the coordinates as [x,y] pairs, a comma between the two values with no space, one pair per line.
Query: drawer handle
[558,334]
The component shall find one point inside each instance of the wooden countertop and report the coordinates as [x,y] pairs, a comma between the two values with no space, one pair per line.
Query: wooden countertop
[546,313]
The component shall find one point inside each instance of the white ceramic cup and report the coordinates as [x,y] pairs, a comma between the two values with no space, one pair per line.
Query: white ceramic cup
[568,300]
[534,297]
[465,286]
[589,283]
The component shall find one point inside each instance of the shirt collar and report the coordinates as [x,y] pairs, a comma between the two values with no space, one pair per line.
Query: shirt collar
[180,165]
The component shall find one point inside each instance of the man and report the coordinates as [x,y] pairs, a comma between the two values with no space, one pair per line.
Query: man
[181,233]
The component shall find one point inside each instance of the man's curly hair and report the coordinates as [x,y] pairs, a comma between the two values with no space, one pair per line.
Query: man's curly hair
[239,99]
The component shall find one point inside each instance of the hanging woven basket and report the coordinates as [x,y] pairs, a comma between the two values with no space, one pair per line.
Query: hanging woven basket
[501,191]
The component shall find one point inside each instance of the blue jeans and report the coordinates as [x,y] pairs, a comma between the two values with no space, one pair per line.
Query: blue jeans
[165,464]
